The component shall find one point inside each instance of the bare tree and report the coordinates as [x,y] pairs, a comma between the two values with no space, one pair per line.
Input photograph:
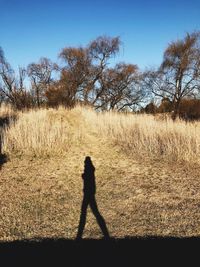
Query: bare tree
[12,87]
[101,50]
[84,68]
[179,73]
[75,76]
[41,77]
[7,76]
[121,88]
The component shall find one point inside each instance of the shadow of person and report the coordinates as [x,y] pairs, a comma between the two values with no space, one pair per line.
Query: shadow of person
[89,191]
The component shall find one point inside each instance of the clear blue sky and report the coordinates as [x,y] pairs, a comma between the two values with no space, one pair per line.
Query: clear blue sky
[31,29]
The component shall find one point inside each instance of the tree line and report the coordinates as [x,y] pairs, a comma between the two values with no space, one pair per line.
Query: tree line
[85,77]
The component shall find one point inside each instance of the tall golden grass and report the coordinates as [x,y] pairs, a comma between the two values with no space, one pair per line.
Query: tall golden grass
[48,131]
[42,132]
[146,135]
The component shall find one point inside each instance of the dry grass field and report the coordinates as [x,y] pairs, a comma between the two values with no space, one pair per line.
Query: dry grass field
[147,174]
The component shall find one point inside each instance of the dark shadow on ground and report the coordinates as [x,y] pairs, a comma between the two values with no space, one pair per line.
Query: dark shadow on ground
[128,251]
[3,159]
[89,191]
[4,122]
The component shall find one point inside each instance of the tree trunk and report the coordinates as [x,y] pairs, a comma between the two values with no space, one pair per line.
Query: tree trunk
[38,97]
[176,110]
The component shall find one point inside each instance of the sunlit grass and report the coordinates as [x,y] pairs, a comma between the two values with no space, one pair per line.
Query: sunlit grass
[51,132]
[138,193]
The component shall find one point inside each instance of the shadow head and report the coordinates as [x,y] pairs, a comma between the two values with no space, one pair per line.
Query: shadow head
[88,162]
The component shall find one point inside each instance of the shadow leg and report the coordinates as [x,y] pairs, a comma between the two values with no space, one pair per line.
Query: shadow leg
[99,217]
[82,218]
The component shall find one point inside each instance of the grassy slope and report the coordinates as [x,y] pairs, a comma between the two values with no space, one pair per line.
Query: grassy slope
[41,197]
